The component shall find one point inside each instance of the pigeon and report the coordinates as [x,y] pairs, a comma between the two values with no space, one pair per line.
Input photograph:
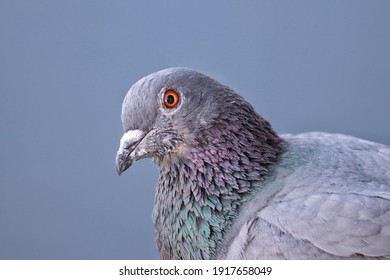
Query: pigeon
[230,187]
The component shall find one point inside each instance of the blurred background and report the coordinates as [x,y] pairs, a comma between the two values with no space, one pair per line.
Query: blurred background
[65,67]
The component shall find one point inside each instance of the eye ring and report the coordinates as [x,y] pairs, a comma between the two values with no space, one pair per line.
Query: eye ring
[171,99]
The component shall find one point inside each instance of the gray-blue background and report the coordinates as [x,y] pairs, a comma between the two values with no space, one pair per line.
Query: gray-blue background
[65,67]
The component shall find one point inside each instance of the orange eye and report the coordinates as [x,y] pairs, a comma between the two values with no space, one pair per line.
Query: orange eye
[171,99]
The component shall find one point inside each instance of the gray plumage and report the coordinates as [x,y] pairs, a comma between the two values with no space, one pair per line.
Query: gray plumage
[231,188]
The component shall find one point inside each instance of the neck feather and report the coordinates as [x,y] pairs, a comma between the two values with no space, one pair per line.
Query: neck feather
[201,191]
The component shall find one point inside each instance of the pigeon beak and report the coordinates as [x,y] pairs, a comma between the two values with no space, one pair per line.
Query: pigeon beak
[126,154]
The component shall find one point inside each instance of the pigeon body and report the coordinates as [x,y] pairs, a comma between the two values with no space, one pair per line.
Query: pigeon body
[231,188]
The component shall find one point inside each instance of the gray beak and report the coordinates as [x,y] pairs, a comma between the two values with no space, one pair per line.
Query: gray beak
[126,154]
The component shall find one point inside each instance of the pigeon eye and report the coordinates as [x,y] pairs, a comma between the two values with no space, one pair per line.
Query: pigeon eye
[171,99]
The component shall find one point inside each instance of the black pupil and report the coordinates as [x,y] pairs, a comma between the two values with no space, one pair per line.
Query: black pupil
[170,99]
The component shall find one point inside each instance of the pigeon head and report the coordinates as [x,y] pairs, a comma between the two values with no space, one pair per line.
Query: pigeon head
[168,111]
[212,149]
